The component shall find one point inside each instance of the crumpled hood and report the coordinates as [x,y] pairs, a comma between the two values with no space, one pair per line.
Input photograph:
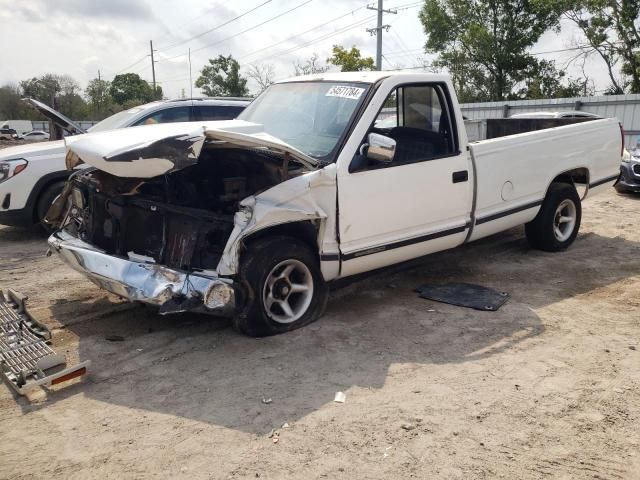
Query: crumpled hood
[29,150]
[152,150]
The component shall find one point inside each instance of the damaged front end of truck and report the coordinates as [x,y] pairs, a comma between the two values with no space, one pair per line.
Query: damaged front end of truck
[162,212]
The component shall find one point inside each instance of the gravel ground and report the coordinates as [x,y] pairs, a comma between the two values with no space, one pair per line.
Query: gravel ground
[547,387]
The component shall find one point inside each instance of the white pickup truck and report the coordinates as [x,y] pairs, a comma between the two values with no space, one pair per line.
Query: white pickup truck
[315,181]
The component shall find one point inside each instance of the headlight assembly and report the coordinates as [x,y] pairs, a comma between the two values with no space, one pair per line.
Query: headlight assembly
[9,168]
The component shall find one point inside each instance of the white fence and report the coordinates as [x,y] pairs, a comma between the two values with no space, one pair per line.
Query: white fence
[44,124]
[626,108]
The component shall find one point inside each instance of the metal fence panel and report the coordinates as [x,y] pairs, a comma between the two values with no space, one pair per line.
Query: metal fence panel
[626,108]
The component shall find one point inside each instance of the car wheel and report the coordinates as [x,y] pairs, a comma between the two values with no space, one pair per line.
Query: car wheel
[283,287]
[44,203]
[557,224]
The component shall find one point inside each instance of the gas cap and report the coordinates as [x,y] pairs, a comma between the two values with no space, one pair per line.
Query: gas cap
[507,191]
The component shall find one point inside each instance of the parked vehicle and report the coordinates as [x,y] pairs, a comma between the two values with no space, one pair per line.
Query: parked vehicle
[34,136]
[8,134]
[629,181]
[253,218]
[25,199]
[562,114]
[20,126]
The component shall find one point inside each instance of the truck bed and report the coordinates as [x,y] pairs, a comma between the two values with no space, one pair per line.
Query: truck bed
[511,182]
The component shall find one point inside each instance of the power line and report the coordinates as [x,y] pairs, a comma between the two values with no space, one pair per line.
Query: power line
[319,39]
[182,42]
[248,29]
[302,33]
[131,66]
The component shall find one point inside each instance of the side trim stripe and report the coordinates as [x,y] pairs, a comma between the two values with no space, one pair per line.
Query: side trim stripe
[329,257]
[603,181]
[405,243]
[506,213]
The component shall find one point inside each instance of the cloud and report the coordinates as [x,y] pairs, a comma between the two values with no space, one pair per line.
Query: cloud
[34,11]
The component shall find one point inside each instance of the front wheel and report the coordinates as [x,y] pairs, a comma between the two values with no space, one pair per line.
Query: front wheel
[557,224]
[284,288]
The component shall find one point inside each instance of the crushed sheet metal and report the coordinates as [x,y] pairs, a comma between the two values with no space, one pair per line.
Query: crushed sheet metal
[26,359]
[261,140]
[172,290]
[140,152]
[295,200]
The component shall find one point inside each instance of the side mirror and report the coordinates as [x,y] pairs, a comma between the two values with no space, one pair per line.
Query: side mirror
[379,148]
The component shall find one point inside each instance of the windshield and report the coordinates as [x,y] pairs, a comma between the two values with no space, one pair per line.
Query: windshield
[310,116]
[120,119]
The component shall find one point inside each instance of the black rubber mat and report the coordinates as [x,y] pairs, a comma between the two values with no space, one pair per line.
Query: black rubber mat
[464,295]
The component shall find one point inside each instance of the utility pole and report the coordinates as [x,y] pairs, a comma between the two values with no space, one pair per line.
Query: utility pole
[378,31]
[98,75]
[153,68]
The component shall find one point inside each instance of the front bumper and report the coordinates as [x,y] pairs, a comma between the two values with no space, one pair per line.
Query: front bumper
[629,177]
[16,218]
[172,290]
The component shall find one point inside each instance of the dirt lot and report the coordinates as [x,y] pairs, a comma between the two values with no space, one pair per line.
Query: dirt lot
[548,387]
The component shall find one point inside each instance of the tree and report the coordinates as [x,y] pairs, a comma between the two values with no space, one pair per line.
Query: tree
[545,81]
[129,88]
[484,43]
[11,105]
[44,88]
[100,101]
[612,30]
[350,60]
[310,66]
[221,78]
[263,75]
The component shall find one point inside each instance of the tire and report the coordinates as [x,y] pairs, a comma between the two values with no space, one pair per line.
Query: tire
[557,224]
[268,269]
[44,202]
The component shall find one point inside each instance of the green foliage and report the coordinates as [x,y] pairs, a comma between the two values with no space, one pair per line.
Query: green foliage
[12,107]
[484,43]
[545,81]
[100,102]
[350,60]
[612,30]
[221,78]
[129,87]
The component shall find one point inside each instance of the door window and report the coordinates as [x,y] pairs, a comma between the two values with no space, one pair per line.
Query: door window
[169,115]
[418,118]
[217,112]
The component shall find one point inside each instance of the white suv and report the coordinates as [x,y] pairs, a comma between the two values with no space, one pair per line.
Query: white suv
[32,175]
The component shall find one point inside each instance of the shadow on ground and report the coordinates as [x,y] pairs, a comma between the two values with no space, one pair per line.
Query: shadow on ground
[198,368]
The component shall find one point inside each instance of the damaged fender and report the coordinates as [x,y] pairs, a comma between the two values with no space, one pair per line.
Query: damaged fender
[310,197]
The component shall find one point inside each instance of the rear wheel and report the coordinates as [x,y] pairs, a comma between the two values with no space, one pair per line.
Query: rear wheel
[284,288]
[557,224]
[44,203]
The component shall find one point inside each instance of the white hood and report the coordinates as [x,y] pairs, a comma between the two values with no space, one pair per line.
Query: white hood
[30,150]
[152,150]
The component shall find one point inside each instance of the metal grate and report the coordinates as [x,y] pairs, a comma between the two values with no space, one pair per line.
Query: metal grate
[25,355]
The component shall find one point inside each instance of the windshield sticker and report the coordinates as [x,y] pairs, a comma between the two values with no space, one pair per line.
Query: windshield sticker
[354,93]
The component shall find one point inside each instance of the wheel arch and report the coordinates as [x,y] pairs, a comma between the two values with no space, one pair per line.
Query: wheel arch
[306,231]
[578,177]
[40,187]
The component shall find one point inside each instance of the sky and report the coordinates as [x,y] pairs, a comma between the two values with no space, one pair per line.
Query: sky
[80,37]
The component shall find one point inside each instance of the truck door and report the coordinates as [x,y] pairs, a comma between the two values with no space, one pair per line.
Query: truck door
[418,203]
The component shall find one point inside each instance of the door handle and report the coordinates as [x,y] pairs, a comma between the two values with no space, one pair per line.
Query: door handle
[461,176]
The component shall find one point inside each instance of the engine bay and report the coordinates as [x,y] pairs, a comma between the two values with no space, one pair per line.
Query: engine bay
[182,219]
